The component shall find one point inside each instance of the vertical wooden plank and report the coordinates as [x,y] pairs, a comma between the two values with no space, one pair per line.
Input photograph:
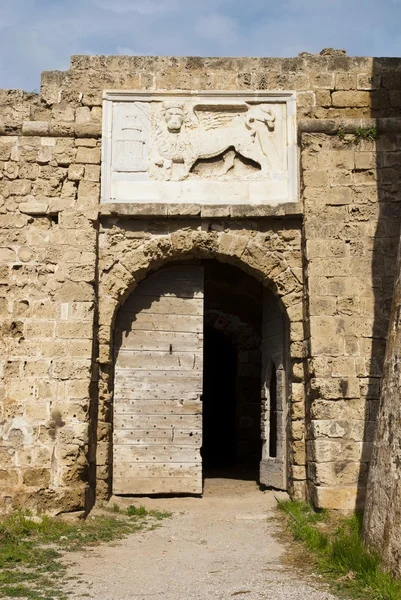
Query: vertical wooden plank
[158,384]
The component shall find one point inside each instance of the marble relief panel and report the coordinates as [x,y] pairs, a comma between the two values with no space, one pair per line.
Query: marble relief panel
[205,147]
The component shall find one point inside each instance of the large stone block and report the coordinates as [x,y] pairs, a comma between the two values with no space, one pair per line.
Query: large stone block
[88,156]
[353,409]
[352,430]
[77,330]
[344,498]
[327,335]
[351,99]
[337,473]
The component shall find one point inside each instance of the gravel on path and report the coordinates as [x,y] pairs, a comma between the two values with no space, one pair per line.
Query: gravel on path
[220,546]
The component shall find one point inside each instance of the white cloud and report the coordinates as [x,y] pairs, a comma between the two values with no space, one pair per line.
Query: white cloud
[216,27]
[38,35]
[141,7]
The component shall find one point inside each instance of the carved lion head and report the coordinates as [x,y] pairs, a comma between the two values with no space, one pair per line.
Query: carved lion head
[174,115]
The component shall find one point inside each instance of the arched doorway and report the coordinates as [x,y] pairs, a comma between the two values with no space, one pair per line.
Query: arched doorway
[196,347]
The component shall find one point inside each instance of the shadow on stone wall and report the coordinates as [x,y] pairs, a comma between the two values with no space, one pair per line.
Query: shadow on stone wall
[380,157]
[90,499]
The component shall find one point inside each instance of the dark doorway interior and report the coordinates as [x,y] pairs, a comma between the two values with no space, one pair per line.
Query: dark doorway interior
[232,443]
[219,402]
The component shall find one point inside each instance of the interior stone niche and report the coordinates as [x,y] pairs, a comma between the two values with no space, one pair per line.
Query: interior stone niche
[275,391]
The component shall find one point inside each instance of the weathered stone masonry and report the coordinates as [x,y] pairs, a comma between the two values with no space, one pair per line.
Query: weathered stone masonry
[67,263]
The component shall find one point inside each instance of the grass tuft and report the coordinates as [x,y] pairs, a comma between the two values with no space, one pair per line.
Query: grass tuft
[31,547]
[140,511]
[136,511]
[357,135]
[337,551]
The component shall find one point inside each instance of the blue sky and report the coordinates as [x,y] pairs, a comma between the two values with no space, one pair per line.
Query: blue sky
[40,35]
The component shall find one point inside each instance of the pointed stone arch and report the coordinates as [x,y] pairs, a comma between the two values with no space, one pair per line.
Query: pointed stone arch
[243,251]
[121,273]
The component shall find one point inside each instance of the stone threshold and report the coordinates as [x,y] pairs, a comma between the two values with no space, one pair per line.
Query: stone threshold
[115,209]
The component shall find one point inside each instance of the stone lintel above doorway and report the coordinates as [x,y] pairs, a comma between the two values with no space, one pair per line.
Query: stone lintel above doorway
[137,210]
[200,148]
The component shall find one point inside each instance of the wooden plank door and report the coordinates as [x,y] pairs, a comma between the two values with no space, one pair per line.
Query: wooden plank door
[273,467]
[158,385]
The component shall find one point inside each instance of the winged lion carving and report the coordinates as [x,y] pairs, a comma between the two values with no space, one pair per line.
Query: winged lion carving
[181,141]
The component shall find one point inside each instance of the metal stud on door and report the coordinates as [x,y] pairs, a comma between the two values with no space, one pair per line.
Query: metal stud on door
[158,385]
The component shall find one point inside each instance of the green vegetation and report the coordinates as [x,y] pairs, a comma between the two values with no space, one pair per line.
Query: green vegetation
[141,511]
[341,133]
[365,133]
[337,552]
[31,547]
[360,133]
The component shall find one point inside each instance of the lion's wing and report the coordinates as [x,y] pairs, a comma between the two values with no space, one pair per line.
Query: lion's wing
[213,119]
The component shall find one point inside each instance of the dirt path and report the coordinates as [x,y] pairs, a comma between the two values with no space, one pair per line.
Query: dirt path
[220,546]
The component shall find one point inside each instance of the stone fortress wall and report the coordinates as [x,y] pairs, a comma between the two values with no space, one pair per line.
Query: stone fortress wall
[67,263]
